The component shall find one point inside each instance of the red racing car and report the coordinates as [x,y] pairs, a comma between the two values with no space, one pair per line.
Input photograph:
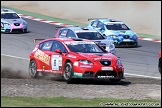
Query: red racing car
[74,58]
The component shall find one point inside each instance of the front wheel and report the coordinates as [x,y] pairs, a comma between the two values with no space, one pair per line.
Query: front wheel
[68,72]
[159,66]
[33,69]
[26,30]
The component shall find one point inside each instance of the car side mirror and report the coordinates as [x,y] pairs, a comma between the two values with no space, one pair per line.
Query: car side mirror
[58,51]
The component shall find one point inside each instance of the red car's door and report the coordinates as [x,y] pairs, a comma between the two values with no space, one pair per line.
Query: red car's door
[56,62]
[51,62]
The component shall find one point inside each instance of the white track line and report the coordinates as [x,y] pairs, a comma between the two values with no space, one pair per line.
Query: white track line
[142,76]
[14,56]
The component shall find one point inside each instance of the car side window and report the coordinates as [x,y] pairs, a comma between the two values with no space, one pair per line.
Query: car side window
[2,15]
[63,33]
[100,25]
[58,45]
[94,24]
[70,34]
[46,45]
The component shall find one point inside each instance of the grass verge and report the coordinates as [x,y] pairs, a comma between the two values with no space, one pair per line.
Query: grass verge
[75,102]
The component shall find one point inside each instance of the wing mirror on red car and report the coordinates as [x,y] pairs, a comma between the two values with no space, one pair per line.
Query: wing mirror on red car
[58,51]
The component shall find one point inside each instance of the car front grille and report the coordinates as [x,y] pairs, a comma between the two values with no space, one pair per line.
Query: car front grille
[105,62]
[106,73]
[126,36]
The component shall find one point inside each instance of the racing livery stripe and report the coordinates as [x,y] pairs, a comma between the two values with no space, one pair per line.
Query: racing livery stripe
[61,24]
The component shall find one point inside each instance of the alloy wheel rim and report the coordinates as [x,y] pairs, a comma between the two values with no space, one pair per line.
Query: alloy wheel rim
[67,72]
[33,69]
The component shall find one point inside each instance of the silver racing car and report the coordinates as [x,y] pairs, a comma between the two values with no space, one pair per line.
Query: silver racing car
[85,33]
[12,22]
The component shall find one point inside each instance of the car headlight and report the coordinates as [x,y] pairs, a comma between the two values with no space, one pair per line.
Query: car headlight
[114,36]
[7,24]
[135,36]
[85,62]
[24,23]
[118,62]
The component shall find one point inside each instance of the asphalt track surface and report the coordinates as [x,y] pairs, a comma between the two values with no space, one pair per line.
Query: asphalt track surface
[142,60]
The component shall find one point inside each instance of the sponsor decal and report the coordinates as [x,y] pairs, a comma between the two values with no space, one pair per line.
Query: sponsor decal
[79,75]
[106,68]
[85,66]
[56,62]
[105,76]
[71,56]
[100,58]
[42,57]
[79,42]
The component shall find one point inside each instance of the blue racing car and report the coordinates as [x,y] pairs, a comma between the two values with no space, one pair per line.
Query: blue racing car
[116,30]
[12,22]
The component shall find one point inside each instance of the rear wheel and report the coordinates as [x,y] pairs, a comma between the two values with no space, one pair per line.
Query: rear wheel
[68,72]
[33,69]
[159,65]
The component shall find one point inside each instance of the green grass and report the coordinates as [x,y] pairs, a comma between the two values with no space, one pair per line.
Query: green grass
[49,18]
[74,102]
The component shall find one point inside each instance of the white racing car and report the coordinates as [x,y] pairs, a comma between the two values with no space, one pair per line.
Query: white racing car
[85,33]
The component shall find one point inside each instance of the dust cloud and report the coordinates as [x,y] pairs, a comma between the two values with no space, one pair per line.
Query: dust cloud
[13,74]
[141,16]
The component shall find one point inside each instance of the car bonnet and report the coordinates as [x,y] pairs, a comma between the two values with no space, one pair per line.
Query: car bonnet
[121,32]
[107,42]
[97,56]
[14,20]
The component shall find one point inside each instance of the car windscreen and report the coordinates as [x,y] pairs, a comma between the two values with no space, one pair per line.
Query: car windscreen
[115,26]
[9,16]
[90,35]
[84,47]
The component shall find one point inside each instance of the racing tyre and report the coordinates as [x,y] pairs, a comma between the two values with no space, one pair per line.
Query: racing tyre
[33,69]
[68,72]
[26,30]
[114,80]
[159,65]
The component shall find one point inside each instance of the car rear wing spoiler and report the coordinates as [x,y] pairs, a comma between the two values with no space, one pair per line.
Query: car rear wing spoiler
[59,27]
[96,18]
[34,41]
[65,27]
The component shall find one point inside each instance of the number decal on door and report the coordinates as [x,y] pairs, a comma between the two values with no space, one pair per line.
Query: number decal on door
[56,62]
